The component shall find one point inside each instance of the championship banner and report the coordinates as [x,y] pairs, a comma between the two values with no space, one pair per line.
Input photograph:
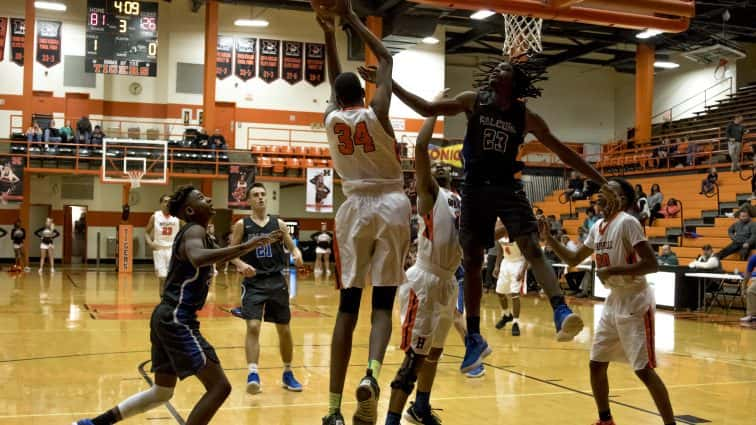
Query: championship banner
[292,62]
[319,198]
[18,29]
[451,155]
[239,179]
[315,63]
[270,58]
[48,43]
[246,58]
[223,55]
[11,179]
[3,32]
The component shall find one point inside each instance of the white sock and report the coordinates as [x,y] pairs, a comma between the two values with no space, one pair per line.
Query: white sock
[253,368]
[515,320]
[507,311]
[144,401]
[287,367]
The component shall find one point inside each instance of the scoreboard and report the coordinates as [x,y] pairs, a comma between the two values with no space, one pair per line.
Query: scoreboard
[122,37]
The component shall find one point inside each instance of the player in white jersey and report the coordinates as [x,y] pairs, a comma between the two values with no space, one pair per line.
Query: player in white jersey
[372,225]
[625,331]
[510,283]
[159,234]
[428,298]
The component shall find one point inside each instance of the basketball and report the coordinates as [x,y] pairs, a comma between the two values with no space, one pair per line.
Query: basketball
[328,7]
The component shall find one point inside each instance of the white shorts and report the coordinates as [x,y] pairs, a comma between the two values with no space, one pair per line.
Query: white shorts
[320,251]
[162,259]
[507,282]
[426,303]
[46,246]
[625,331]
[372,236]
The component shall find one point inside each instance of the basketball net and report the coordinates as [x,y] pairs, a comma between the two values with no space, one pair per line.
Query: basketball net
[135,178]
[522,35]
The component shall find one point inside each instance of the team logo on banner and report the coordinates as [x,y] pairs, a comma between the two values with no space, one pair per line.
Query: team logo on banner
[451,155]
[270,58]
[223,55]
[48,43]
[18,29]
[315,63]
[319,196]
[3,31]
[292,62]
[239,180]
[246,58]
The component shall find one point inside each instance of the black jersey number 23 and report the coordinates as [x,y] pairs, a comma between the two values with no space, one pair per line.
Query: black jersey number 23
[495,140]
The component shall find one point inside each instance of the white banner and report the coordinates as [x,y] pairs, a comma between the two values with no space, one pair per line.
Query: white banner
[319,190]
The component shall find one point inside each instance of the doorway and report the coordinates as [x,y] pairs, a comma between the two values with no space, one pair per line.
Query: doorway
[75,224]
[225,121]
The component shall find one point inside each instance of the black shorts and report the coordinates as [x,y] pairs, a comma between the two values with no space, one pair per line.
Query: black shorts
[178,348]
[266,298]
[482,204]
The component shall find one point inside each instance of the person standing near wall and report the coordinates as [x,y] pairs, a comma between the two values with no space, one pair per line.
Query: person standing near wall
[734,133]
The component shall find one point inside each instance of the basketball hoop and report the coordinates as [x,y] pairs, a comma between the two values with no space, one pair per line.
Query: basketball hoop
[522,35]
[135,178]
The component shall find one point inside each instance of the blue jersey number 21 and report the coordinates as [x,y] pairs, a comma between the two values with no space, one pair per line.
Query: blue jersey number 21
[264,251]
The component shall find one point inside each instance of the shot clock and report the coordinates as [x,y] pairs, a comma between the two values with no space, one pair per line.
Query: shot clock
[122,37]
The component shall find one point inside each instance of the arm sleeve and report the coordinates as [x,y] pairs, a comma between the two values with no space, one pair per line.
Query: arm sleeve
[710,264]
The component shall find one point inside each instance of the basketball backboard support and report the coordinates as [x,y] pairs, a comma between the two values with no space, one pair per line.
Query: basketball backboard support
[123,158]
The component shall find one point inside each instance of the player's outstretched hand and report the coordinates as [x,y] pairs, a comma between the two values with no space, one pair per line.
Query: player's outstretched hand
[544,228]
[327,22]
[443,94]
[368,73]
[246,270]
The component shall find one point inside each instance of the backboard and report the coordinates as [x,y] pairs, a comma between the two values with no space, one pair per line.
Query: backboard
[121,157]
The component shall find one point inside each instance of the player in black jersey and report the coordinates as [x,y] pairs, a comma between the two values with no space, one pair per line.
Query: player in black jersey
[178,348]
[498,122]
[265,292]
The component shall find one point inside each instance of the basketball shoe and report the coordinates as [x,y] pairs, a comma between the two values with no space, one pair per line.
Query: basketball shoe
[253,383]
[504,320]
[568,324]
[478,372]
[418,418]
[368,393]
[289,382]
[334,419]
[476,348]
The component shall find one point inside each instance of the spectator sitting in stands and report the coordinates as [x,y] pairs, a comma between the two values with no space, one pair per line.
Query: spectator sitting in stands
[639,193]
[707,185]
[538,213]
[202,138]
[673,207]
[655,203]
[575,187]
[34,133]
[590,220]
[667,257]
[97,136]
[83,130]
[706,261]
[590,188]
[640,210]
[662,153]
[66,132]
[52,134]
[582,234]
[217,141]
[556,226]
[743,236]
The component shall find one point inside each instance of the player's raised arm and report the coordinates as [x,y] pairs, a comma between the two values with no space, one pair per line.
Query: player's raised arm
[194,249]
[426,185]
[570,257]
[536,125]
[333,64]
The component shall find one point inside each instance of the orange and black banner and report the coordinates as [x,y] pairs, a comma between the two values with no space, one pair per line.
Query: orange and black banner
[246,58]
[270,60]
[315,63]
[292,62]
[18,29]
[48,43]
[3,31]
[11,179]
[225,51]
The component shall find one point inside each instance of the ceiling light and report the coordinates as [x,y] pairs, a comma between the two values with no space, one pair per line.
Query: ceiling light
[430,40]
[648,34]
[49,5]
[259,23]
[482,14]
[666,65]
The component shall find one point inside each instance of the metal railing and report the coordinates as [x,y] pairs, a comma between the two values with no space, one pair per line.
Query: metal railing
[709,95]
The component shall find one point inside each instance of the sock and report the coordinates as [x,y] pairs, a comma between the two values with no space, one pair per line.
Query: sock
[508,311]
[375,366]
[334,403]
[605,415]
[287,367]
[556,301]
[422,403]
[515,320]
[473,325]
[253,368]
[393,418]
[106,418]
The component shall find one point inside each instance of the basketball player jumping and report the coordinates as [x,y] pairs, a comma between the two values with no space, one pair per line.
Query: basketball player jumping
[178,348]
[265,292]
[498,121]
[509,271]
[159,234]
[372,225]
[625,331]
[427,299]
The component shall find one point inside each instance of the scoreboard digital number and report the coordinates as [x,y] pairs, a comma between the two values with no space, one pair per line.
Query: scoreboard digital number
[122,37]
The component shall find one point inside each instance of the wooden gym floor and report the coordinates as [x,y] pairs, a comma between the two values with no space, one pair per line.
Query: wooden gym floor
[76,343]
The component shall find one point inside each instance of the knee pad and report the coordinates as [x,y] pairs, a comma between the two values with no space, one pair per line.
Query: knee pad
[406,376]
[383,297]
[349,300]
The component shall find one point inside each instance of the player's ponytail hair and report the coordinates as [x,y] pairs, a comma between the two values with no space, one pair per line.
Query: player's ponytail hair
[178,200]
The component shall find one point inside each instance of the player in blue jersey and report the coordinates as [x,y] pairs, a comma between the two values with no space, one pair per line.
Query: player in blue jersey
[178,348]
